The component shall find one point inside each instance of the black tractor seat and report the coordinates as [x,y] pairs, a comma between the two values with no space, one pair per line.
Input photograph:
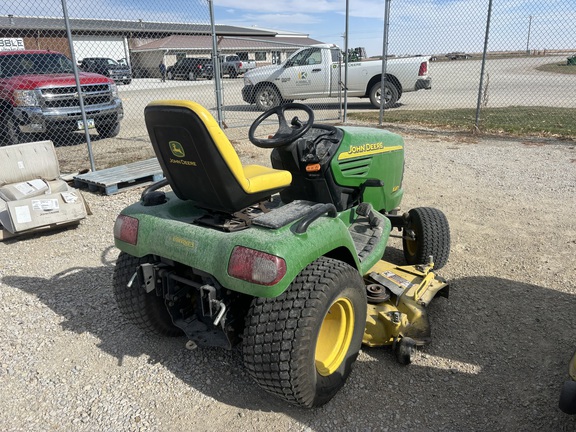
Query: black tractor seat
[201,164]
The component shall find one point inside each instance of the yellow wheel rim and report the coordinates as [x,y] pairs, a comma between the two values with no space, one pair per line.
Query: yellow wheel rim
[334,337]
[411,247]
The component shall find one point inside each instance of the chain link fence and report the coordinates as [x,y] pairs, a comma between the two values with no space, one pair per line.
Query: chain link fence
[526,57]
[92,72]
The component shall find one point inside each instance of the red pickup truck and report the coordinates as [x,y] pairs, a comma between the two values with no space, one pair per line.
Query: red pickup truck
[38,94]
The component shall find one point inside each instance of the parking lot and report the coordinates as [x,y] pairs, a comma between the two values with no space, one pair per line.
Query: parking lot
[501,342]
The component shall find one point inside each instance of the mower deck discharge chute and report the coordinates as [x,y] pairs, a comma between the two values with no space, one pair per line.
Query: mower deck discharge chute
[285,261]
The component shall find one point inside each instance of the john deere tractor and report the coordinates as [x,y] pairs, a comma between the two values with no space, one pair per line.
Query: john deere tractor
[285,261]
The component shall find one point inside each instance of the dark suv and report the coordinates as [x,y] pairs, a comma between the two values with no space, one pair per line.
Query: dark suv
[191,68]
[107,67]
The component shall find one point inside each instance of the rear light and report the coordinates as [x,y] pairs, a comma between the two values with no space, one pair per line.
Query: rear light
[126,229]
[240,64]
[423,69]
[255,266]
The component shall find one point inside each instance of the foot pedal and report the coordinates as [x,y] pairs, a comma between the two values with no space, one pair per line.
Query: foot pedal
[364,209]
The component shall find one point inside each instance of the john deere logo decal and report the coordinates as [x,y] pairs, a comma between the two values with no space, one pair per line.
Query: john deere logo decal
[177,149]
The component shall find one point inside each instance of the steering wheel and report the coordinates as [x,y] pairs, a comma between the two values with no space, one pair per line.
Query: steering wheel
[286,133]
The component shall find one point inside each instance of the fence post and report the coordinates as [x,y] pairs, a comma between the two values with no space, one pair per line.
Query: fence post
[346,59]
[78,86]
[216,71]
[483,66]
[384,59]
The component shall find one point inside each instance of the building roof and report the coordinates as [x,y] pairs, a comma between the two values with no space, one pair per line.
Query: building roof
[203,43]
[123,26]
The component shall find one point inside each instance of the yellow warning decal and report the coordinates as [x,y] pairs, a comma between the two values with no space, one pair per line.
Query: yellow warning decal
[184,242]
[367,150]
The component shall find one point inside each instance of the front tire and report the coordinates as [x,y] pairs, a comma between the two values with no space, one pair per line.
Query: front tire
[391,95]
[301,345]
[568,397]
[145,310]
[267,97]
[431,237]
[108,129]
[12,134]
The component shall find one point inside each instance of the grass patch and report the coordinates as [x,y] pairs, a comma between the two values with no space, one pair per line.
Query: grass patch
[514,121]
[561,68]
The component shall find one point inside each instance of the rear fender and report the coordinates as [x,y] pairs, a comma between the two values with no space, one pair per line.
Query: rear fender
[166,231]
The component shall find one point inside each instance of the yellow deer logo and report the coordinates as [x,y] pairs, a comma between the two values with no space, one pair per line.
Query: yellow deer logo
[177,149]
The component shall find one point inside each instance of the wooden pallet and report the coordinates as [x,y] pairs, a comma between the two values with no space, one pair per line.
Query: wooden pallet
[121,178]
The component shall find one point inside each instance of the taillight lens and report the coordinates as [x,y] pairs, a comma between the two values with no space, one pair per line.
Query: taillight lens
[423,69]
[256,266]
[126,229]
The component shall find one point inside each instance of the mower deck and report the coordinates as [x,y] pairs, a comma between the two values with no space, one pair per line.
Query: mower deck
[397,297]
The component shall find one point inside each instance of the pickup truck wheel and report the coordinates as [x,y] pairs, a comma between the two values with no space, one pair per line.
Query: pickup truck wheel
[108,129]
[301,345]
[12,134]
[267,97]
[431,237]
[145,310]
[191,76]
[390,95]
[170,76]
[233,73]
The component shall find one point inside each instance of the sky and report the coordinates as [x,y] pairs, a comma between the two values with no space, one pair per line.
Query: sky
[416,26]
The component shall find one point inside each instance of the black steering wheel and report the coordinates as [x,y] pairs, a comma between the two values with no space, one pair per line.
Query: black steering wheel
[286,133]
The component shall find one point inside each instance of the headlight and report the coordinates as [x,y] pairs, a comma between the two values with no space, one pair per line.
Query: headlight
[25,98]
[114,90]
[111,71]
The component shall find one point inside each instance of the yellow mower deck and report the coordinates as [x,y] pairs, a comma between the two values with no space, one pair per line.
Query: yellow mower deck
[397,297]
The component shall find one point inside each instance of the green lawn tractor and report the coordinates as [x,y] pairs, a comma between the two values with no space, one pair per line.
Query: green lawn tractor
[285,261]
[567,401]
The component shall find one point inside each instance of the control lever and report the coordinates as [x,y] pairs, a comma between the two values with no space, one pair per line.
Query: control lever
[296,122]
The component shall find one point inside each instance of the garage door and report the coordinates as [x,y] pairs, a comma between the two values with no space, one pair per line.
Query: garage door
[98,47]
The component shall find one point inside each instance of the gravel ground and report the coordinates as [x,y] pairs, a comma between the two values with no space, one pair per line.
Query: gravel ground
[501,342]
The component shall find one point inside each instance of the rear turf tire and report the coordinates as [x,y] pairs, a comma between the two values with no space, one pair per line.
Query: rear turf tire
[145,310]
[432,237]
[301,345]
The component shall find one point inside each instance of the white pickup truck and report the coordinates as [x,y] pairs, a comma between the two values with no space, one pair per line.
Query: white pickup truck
[232,65]
[318,72]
